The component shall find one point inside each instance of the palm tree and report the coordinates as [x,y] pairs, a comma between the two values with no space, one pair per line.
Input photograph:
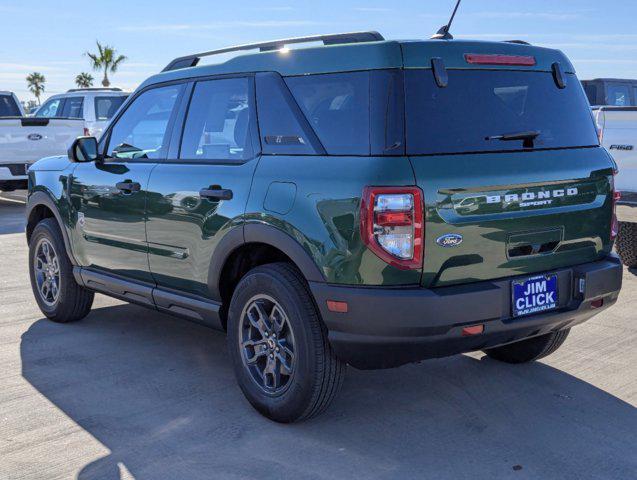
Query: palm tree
[35,82]
[105,59]
[84,80]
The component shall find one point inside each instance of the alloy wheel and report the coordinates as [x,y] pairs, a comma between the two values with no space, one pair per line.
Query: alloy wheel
[266,342]
[46,267]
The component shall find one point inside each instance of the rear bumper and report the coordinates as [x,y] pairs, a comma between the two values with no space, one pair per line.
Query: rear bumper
[388,327]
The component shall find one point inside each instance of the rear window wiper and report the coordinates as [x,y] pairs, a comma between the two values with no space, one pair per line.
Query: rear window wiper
[530,135]
[527,137]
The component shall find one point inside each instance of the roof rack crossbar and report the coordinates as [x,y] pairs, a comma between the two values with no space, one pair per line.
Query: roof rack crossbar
[94,89]
[331,39]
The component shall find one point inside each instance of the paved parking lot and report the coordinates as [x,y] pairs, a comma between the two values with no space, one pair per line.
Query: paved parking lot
[130,393]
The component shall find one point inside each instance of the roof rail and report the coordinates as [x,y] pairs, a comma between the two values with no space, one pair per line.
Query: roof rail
[93,89]
[331,39]
[519,42]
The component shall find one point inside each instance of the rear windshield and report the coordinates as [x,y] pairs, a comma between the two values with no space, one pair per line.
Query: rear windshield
[8,107]
[105,107]
[479,106]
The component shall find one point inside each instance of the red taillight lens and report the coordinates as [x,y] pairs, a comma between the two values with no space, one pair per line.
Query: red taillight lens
[484,59]
[392,225]
[87,133]
[394,219]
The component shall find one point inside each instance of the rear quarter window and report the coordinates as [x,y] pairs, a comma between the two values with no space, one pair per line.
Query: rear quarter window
[337,108]
[8,107]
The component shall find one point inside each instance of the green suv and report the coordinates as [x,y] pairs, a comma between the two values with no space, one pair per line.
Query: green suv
[362,202]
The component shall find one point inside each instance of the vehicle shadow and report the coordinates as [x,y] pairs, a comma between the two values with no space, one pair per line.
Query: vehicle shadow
[160,394]
[11,214]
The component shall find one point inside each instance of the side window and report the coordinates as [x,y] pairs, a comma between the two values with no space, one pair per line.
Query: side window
[387,113]
[618,95]
[73,107]
[337,107]
[8,107]
[283,127]
[50,108]
[105,107]
[141,131]
[218,123]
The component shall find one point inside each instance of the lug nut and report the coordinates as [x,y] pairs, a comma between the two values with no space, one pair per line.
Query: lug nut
[267,334]
[277,349]
[271,355]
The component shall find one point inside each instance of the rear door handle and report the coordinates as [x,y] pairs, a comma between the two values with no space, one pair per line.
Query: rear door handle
[216,194]
[128,187]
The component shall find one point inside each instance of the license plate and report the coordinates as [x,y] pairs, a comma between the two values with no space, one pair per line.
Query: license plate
[534,295]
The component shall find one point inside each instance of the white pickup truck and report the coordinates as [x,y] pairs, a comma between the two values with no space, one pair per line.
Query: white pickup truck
[95,105]
[25,140]
[614,103]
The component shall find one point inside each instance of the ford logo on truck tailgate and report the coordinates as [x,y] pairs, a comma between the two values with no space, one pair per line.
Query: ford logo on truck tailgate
[449,240]
[34,136]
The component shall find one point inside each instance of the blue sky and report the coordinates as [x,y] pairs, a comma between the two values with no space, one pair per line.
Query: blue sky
[50,36]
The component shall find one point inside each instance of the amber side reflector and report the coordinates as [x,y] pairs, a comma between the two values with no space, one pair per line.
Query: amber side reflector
[483,59]
[472,330]
[338,307]
[597,303]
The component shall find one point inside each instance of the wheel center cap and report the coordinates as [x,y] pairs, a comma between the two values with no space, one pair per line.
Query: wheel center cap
[271,344]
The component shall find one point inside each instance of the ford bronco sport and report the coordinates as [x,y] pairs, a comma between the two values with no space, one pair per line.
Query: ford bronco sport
[363,202]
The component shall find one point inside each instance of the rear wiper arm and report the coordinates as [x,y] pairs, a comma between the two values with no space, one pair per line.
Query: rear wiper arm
[530,135]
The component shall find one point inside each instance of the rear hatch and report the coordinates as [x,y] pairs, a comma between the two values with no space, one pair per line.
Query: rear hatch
[513,177]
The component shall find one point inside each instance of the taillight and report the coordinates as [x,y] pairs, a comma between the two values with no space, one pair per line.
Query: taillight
[490,59]
[392,225]
[87,132]
[599,118]
[614,225]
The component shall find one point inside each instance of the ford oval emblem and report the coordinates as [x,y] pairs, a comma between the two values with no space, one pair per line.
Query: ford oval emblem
[34,136]
[449,240]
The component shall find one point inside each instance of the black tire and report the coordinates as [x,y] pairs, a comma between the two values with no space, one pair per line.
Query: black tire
[317,374]
[73,302]
[530,349]
[626,244]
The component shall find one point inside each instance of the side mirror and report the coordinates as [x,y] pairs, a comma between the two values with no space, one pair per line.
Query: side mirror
[84,149]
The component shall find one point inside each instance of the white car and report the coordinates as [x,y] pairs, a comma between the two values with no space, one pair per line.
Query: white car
[25,140]
[614,103]
[95,105]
